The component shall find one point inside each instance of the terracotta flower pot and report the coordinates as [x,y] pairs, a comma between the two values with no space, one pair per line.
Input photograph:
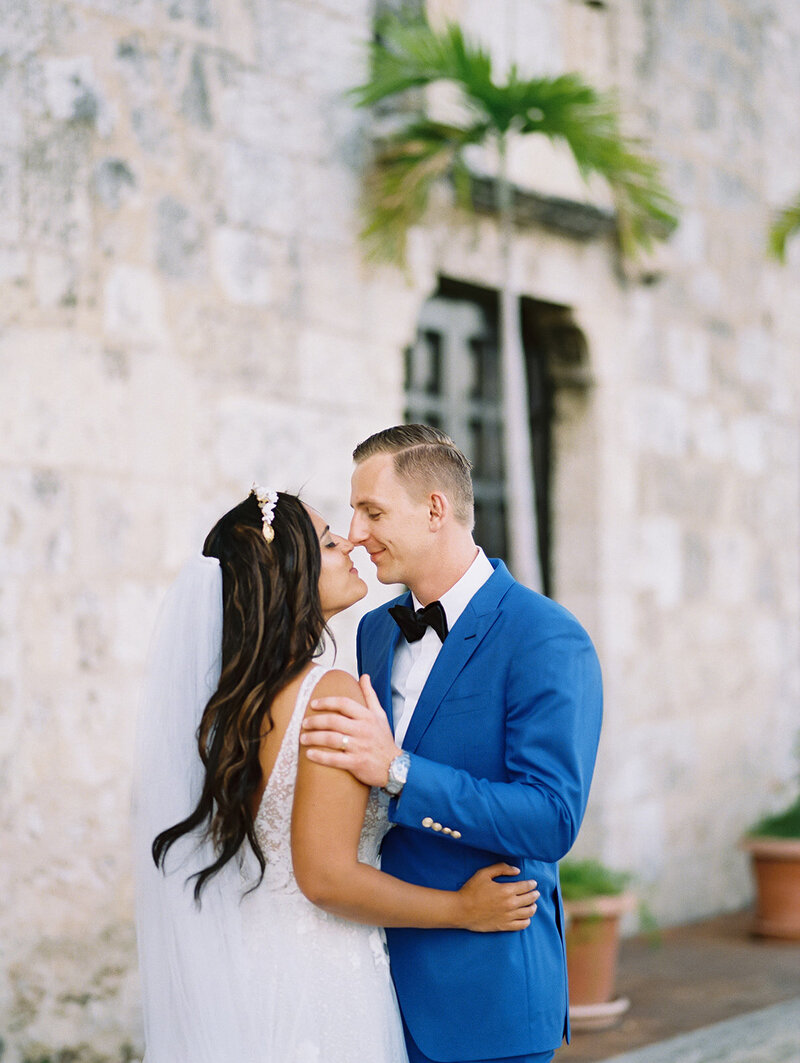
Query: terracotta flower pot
[592,940]
[776,869]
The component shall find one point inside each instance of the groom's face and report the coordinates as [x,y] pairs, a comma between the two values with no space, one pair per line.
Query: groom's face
[388,522]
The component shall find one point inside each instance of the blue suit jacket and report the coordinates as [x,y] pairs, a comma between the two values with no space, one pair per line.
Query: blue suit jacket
[502,743]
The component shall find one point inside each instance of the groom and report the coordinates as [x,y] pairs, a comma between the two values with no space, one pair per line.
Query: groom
[493,694]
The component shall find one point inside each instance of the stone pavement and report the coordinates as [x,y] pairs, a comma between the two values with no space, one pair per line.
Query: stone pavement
[704,993]
[771,1035]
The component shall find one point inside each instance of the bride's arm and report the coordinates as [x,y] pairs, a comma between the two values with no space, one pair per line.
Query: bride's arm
[327,817]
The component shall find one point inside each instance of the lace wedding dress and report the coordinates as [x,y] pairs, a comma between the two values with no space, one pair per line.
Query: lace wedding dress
[320,985]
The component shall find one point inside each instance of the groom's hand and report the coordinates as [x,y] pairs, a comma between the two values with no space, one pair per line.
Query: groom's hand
[342,733]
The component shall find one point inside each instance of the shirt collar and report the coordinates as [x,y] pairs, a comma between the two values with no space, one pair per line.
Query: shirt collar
[456,600]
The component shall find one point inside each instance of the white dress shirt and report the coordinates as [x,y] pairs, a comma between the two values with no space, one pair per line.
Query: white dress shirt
[413,661]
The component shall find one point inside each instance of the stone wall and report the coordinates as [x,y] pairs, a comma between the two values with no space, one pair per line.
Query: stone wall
[702,577]
[184,308]
[183,311]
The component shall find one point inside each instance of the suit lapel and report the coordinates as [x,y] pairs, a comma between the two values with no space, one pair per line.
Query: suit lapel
[467,634]
[387,641]
[383,682]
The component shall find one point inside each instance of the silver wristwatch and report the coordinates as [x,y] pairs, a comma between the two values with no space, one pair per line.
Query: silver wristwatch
[398,773]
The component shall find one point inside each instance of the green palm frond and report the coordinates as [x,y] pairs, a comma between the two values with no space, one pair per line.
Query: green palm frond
[786,225]
[405,169]
[565,108]
[411,55]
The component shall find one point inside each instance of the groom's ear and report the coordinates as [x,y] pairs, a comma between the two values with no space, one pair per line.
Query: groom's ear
[438,510]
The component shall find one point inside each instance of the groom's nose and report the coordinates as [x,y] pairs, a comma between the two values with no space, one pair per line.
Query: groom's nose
[356,534]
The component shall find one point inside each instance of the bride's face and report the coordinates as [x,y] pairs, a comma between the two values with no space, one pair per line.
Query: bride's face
[340,585]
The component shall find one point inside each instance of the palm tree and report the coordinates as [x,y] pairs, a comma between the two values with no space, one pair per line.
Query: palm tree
[786,225]
[423,151]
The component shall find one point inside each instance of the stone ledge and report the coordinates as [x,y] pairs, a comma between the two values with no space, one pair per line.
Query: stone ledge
[568,217]
[771,1035]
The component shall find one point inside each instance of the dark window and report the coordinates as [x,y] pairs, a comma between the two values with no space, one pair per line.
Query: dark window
[453,383]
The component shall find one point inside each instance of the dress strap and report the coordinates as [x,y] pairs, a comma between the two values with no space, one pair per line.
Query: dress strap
[304,694]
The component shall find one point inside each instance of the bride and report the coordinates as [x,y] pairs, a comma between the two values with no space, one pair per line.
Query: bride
[259,898]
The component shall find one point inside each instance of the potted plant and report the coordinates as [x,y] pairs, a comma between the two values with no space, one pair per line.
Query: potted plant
[774,847]
[595,899]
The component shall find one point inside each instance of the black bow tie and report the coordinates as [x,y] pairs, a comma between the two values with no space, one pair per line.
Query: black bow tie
[413,624]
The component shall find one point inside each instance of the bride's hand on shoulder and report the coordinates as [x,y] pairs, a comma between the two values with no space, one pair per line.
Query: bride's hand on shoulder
[488,906]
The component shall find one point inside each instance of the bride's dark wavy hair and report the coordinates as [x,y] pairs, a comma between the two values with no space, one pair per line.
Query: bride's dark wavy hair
[272,627]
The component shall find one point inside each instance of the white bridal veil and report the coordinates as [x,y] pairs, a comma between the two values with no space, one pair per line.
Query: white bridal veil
[194,995]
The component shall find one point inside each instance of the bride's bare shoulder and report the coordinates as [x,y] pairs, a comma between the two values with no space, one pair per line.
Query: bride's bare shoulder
[337,683]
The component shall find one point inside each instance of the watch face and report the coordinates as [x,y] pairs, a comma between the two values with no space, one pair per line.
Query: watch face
[398,773]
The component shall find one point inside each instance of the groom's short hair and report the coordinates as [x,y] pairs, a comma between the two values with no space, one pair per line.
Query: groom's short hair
[425,459]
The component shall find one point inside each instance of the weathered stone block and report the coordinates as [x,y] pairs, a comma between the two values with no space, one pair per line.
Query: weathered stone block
[707,290]
[689,360]
[646,844]
[258,439]
[709,433]
[38,526]
[696,565]
[754,355]
[10,196]
[329,203]
[54,280]
[180,241]
[154,133]
[11,106]
[705,111]
[196,95]
[261,188]
[9,644]
[346,385]
[57,208]
[134,305]
[732,566]
[72,92]
[282,118]
[659,422]
[24,29]
[306,43]
[13,267]
[138,12]
[748,443]
[201,12]
[114,181]
[659,562]
[242,266]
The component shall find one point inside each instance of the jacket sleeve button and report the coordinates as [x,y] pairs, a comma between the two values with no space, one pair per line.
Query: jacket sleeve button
[456,833]
[427,822]
[437,826]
